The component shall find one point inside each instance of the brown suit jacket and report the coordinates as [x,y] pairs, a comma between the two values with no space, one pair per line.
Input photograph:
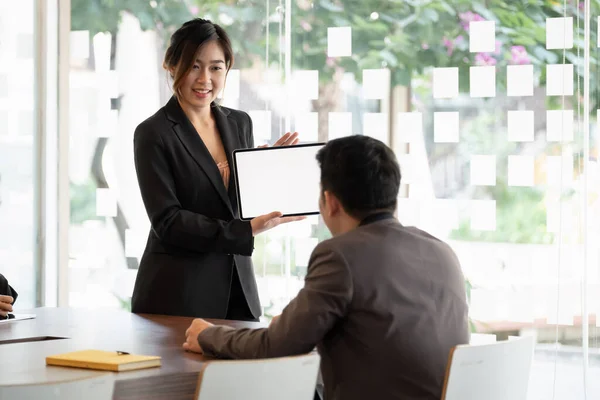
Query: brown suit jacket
[384,304]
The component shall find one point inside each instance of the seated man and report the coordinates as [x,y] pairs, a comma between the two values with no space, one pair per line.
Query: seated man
[383,303]
[8,295]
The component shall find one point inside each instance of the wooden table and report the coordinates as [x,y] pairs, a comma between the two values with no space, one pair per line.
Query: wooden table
[23,349]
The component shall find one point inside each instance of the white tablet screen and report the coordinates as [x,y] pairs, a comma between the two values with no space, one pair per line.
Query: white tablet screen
[284,179]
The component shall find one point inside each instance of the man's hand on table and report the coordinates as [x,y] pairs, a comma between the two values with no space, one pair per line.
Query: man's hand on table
[191,335]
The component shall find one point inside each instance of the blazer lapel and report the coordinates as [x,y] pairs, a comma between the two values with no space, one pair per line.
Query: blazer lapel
[195,146]
[231,140]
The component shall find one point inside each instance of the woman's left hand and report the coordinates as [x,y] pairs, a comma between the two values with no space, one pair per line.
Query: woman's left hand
[289,139]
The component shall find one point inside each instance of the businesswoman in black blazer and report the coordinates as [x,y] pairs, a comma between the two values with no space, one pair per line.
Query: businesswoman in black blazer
[197,259]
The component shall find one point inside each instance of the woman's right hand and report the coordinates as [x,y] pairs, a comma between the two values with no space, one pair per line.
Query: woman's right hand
[5,305]
[269,221]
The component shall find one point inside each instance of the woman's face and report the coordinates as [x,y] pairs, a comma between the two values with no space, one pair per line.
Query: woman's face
[206,78]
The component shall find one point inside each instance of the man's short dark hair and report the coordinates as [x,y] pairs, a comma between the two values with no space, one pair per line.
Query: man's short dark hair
[362,172]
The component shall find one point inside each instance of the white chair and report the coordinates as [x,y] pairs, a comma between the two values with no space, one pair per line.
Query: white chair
[494,371]
[96,387]
[290,378]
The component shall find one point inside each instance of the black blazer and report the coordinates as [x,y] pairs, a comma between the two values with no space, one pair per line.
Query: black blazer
[196,238]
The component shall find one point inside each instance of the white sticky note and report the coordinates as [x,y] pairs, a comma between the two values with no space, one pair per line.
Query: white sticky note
[559,33]
[521,170]
[376,125]
[409,211]
[483,81]
[483,215]
[340,124]
[446,213]
[559,171]
[559,125]
[445,83]
[482,36]
[307,126]
[559,80]
[303,250]
[261,126]
[520,126]
[79,45]
[306,84]
[483,170]
[445,127]
[106,203]
[409,126]
[102,51]
[376,83]
[108,124]
[135,242]
[232,85]
[339,41]
[407,168]
[519,80]
[108,83]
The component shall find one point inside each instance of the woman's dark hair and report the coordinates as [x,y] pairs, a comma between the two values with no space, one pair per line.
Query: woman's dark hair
[362,172]
[186,41]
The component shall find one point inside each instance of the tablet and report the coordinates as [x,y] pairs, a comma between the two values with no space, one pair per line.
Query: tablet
[283,178]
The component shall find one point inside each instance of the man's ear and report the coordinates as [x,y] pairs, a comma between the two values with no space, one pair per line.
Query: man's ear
[332,204]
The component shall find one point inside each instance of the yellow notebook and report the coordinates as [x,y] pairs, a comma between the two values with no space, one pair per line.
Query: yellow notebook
[103,360]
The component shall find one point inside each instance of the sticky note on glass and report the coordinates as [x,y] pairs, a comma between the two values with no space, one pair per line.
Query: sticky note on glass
[521,170]
[340,124]
[102,51]
[135,242]
[559,125]
[445,83]
[520,126]
[482,36]
[559,80]
[376,125]
[409,211]
[519,80]
[108,83]
[445,127]
[261,126]
[559,171]
[559,33]
[483,170]
[376,83]
[307,126]
[79,45]
[446,213]
[409,126]
[108,124]
[407,168]
[339,41]
[303,248]
[483,81]
[106,203]
[232,85]
[306,84]
[483,215]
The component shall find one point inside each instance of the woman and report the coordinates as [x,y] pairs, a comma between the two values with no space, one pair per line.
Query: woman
[8,296]
[197,259]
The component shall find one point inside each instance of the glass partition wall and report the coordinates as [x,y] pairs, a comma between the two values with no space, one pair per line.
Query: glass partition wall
[491,108]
